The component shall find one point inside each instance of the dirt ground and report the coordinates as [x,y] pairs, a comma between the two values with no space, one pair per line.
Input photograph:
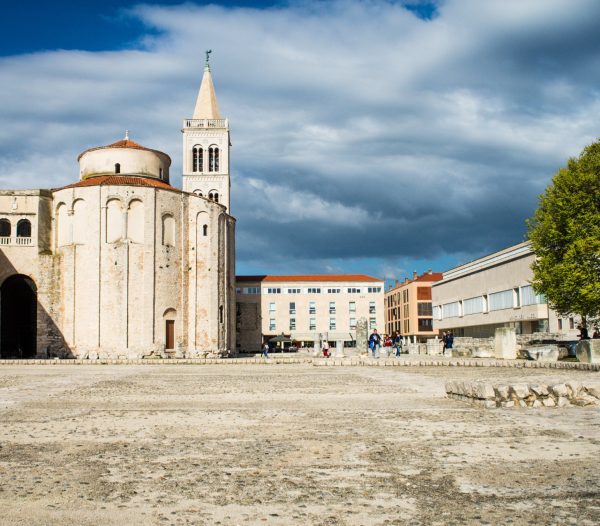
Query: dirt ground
[287,445]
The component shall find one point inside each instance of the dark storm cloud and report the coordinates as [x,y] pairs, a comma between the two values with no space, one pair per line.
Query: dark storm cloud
[359,130]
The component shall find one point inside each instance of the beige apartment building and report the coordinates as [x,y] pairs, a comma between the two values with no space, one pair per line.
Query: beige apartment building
[307,309]
[495,291]
[408,307]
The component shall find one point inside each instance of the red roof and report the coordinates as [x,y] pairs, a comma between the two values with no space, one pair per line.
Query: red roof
[124,143]
[313,277]
[427,277]
[434,276]
[122,180]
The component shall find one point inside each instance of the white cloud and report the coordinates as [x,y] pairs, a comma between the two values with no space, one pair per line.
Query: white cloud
[352,122]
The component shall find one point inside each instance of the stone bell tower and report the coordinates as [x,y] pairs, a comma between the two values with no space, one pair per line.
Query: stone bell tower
[206,146]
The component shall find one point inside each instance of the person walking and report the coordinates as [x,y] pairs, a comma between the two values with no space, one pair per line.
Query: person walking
[265,350]
[398,343]
[375,343]
[444,342]
[326,352]
[583,332]
[449,341]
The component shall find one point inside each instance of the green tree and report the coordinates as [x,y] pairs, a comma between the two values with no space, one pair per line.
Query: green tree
[565,236]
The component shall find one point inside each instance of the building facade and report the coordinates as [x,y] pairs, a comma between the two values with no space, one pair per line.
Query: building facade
[408,307]
[307,309]
[120,263]
[495,291]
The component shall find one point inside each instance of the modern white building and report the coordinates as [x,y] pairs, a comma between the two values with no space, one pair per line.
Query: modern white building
[306,308]
[494,291]
[121,263]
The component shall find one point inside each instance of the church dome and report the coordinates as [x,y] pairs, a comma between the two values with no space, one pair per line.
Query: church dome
[125,157]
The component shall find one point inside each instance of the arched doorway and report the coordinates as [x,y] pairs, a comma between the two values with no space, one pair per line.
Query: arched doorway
[18,317]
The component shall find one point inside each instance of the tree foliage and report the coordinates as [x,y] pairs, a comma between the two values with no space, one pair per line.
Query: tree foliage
[565,236]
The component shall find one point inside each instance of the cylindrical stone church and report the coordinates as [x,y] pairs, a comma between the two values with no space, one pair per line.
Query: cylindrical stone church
[121,264]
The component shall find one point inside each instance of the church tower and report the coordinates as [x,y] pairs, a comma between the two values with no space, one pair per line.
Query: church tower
[206,146]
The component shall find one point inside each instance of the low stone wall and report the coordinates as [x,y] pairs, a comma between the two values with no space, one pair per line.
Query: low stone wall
[488,395]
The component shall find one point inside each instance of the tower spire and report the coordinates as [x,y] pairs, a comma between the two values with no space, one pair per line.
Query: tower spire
[206,103]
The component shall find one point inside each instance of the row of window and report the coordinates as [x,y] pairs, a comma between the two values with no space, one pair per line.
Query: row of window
[423,309]
[23,228]
[423,325]
[312,307]
[309,290]
[505,299]
[122,222]
[213,195]
[423,294]
[198,159]
[312,324]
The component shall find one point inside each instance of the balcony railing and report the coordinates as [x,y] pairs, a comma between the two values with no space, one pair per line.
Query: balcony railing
[205,123]
[21,241]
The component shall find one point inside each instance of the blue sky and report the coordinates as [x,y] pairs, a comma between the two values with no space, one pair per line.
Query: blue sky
[376,137]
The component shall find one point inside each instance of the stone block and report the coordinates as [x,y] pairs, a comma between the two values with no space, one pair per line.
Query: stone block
[539,389]
[583,400]
[562,401]
[588,351]
[593,390]
[520,391]
[508,403]
[483,391]
[489,404]
[542,353]
[505,343]
[559,390]
[451,387]
[574,388]
[482,353]
[503,392]
[549,402]
[536,403]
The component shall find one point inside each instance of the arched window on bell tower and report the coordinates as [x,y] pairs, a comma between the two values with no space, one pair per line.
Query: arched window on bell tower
[197,159]
[213,159]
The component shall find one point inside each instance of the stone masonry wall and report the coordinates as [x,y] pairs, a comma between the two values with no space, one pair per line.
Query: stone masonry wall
[525,395]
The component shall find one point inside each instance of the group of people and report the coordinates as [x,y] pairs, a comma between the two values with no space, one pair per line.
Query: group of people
[389,342]
[585,335]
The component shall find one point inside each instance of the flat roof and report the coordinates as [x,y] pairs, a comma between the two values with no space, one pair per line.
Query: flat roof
[307,278]
[496,258]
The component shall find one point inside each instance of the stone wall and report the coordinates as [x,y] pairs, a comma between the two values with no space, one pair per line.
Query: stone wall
[525,395]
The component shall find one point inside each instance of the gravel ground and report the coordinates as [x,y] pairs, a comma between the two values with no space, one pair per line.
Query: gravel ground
[287,445]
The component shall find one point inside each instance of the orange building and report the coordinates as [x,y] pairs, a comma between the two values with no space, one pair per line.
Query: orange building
[408,307]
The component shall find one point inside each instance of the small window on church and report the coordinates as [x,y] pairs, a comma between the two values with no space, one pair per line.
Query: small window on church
[197,159]
[160,172]
[205,230]
[216,197]
[213,159]
[4,228]
[211,196]
[24,228]
[198,192]
[117,168]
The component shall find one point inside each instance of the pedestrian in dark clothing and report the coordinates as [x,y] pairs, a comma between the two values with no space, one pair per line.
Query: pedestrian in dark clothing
[449,340]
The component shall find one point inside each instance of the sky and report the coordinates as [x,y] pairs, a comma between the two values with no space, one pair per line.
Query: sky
[368,136]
